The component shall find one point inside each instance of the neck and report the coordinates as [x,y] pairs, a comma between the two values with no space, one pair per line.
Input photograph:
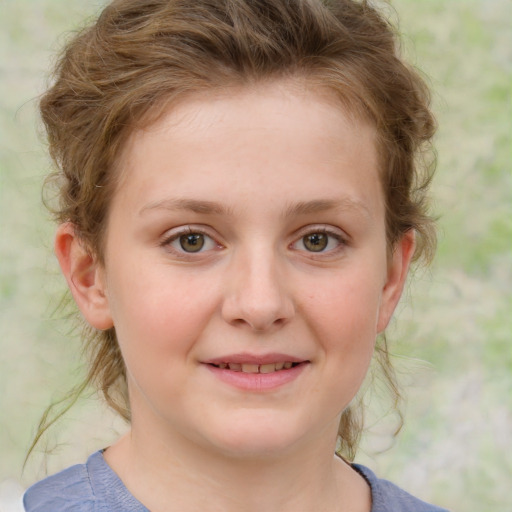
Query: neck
[308,477]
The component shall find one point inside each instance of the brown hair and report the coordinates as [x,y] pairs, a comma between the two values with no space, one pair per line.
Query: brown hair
[142,55]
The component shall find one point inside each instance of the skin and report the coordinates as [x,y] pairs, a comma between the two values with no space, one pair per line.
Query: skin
[253,172]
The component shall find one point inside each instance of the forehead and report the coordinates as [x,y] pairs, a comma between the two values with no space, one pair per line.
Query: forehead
[239,134]
[305,92]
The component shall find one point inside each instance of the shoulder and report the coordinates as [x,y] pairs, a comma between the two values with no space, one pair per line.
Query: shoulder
[387,497]
[68,490]
[90,487]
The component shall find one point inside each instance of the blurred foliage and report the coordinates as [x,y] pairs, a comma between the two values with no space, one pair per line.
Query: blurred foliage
[457,316]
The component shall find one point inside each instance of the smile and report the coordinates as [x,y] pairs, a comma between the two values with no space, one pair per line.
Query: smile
[256,368]
[257,373]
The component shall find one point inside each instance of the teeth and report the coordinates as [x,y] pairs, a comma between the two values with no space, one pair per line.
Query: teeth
[250,368]
[267,368]
[256,368]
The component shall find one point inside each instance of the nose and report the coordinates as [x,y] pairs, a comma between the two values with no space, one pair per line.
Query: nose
[258,294]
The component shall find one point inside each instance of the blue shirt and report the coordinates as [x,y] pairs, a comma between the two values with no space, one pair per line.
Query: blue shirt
[94,487]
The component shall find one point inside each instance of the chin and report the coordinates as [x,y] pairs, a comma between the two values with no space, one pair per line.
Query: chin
[257,436]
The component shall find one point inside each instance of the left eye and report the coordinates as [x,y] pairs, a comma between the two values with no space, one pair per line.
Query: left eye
[319,241]
[192,242]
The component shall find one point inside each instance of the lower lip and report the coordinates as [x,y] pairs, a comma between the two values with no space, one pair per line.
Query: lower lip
[258,381]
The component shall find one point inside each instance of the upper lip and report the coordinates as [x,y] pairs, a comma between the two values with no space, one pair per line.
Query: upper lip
[255,359]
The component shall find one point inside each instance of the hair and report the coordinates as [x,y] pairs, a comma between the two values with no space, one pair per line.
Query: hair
[141,56]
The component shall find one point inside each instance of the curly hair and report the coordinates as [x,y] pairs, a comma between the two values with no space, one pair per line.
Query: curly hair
[140,56]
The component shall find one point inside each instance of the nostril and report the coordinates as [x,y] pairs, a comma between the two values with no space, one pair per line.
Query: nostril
[258,323]
[259,304]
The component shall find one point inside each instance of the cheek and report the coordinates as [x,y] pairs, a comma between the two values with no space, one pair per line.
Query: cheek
[157,315]
[343,318]
[347,340]
[345,309]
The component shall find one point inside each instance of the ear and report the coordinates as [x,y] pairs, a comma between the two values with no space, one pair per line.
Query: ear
[398,269]
[85,277]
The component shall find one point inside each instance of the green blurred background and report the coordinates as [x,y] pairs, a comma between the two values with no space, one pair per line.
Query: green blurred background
[454,327]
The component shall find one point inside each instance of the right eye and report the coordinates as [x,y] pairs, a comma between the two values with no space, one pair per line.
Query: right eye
[190,242]
[316,242]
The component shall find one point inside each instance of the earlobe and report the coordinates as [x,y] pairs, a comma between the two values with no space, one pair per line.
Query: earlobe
[396,278]
[85,277]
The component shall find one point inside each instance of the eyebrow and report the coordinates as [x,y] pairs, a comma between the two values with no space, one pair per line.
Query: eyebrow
[322,205]
[300,208]
[193,205]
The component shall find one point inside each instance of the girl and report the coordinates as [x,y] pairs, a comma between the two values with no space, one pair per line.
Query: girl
[239,206]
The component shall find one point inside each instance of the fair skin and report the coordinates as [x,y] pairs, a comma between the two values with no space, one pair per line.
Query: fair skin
[247,233]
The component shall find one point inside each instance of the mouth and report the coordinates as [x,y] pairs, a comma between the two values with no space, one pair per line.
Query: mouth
[257,368]
[257,373]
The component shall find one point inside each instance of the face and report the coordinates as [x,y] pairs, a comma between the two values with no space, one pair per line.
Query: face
[246,268]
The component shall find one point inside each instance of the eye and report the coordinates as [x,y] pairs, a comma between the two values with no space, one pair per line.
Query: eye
[189,242]
[315,242]
[320,241]
[192,242]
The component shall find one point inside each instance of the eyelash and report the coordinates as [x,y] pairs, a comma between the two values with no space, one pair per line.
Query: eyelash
[187,230]
[175,236]
[341,240]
